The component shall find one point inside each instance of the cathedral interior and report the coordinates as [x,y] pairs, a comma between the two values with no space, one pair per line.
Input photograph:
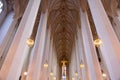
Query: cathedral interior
[59,39]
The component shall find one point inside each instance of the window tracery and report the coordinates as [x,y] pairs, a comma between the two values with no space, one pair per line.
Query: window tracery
[1,7]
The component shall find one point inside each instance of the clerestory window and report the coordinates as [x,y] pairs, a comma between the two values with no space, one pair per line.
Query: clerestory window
[1,6]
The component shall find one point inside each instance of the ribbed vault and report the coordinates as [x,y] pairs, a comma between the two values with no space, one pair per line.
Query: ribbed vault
[63,21]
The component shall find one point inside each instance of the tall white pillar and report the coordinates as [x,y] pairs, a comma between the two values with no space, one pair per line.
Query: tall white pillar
[78,60]
[110,48]
[4,47]
[46,54]
[6,30]
[72,65]
[84,72]
[14,61]
[25,64]
[119,14]
[38,49]
[116,26]
[91,55]
[54,65]
[49,61]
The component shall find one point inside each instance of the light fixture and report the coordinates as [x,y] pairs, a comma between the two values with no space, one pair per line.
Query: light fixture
[54,78]
[97,42]
[51,73]
[46,65]
[104,75]
[30,42]
[73,78]
[25,73]
[82,65]
[76,73]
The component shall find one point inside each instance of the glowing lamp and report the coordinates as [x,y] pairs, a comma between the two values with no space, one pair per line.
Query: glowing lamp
[30,42]
[73,78]
[104,75]
[97,42]
[51,73]
[54,78]
[76,73]
[25,73]
[82,65]
[45,65]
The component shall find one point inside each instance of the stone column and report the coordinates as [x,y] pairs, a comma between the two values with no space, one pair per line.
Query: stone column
[54,64]
[49,60]
[119,14]
[44,58]
[5,45]
[25,65]
[90,53]
[14,61]
[84,72]
[47,54]
[38,49]
[6,30]
[78,60]
[110,48]
[58,68]
[81,49]
[70,73]
[73,65]
[116,26]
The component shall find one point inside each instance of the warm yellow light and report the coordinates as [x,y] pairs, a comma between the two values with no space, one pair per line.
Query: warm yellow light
[51,73]
[45,65]
[73,78]
[54,78]
[30,42]
[97,42]
[25,73]
[104,75]
[76,74]
[82,65]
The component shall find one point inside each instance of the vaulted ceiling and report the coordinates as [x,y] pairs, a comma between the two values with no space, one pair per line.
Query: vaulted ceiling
[63,21]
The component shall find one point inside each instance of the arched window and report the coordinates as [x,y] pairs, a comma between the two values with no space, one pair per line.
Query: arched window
[1,6]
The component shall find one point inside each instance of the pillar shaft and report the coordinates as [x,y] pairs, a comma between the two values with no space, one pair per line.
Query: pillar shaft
[91,56]
[82,57]
[6,31]
[78,60]
[46,54]
[14,61]
[116,27]
[110,47]
[26,63]
[104,28]
[38,49]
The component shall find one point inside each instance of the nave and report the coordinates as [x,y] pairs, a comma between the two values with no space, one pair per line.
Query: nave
[59,39]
